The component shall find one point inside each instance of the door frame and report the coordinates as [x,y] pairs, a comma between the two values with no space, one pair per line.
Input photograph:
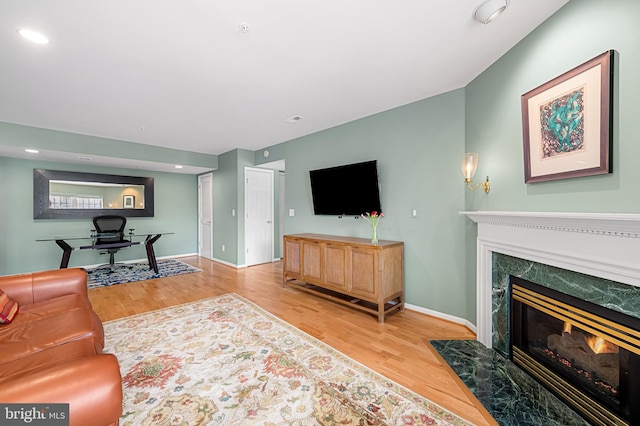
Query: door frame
[271,186]
[200,178]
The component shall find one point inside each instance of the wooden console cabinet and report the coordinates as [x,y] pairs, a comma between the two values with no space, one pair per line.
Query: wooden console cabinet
[351,271]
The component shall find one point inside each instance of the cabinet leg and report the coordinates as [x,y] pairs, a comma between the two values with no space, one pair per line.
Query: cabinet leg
[381,313]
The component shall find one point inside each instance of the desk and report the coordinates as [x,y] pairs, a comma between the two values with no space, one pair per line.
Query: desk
[149,239]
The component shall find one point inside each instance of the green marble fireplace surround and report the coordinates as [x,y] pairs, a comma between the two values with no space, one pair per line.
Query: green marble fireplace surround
[609,294]
[591,256]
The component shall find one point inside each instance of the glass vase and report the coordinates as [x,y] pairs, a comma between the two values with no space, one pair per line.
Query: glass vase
[374,234]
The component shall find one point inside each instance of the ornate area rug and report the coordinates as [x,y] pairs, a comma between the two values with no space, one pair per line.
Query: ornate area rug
[130,272]
[225,361]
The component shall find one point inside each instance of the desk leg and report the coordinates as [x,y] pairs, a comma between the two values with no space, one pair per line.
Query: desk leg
[66,253]
[151,254]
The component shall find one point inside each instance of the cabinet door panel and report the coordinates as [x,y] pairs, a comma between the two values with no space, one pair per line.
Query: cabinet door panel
[364,272]
[336,267]
[292,256]
[393,271]
[312,262]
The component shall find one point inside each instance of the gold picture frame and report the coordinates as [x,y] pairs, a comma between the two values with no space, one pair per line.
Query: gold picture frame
[566,123]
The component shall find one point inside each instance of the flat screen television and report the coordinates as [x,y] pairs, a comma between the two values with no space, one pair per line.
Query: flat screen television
[351,189]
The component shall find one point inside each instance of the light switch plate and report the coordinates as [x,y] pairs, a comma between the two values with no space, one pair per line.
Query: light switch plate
[292,212]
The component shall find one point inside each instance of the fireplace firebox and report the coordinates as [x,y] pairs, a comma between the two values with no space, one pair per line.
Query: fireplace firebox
[586,354]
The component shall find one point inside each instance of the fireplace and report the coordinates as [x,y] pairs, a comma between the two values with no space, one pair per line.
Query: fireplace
[590,256]
[586,354]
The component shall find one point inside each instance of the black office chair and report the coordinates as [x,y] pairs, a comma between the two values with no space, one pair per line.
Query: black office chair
[110,224]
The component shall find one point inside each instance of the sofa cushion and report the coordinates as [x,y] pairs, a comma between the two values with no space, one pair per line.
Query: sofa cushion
[19,340]
[49,308]
[46,358]
[8,308]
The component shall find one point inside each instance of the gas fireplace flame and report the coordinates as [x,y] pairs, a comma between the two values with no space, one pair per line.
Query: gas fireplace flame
[598,344]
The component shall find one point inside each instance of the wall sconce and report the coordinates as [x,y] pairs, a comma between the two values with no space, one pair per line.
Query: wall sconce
[469,165]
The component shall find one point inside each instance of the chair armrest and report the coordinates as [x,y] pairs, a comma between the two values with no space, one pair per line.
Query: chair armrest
[92,386]
[38,286]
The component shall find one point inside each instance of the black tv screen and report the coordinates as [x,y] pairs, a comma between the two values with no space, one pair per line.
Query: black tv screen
[346,190]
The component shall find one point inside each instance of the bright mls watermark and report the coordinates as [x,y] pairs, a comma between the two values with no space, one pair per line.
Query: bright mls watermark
[34,414]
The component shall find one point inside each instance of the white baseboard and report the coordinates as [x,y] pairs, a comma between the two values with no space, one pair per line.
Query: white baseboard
[440,315]
[224,262]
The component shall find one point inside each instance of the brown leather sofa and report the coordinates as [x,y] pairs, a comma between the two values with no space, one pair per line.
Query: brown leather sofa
[51,352]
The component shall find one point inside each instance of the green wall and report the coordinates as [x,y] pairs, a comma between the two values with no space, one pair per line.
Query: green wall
[580,31]
[225,193]
[228,192]
[418,148]
[176,201]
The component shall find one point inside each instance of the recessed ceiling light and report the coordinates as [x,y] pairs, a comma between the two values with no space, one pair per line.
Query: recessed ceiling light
[178,166]
[33,36]
[32,151]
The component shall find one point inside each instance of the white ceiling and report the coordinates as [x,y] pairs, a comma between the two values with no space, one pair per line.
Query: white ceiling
[183,74]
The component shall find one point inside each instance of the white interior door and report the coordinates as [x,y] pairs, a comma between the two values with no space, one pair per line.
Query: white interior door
[205,216]
[258,216]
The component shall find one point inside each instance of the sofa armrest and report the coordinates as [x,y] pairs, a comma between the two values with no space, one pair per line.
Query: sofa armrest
[92,386]
[38,286]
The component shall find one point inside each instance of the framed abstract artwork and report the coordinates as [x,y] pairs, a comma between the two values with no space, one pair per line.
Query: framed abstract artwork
[566,123]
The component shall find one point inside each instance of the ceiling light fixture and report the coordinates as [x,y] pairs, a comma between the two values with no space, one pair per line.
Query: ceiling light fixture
[32,151]
[178,166]
[489,10]
[33,36]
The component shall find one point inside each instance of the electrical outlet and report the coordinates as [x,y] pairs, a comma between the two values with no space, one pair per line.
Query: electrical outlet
[414,213]
[223,247]
[292,212]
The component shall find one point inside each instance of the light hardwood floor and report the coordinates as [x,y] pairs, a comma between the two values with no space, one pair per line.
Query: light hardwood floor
[397,349]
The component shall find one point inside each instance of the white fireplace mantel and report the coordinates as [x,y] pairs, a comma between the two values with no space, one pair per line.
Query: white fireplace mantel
[605,245]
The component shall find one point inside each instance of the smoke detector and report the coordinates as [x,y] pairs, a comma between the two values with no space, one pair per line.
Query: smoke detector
[294,119]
